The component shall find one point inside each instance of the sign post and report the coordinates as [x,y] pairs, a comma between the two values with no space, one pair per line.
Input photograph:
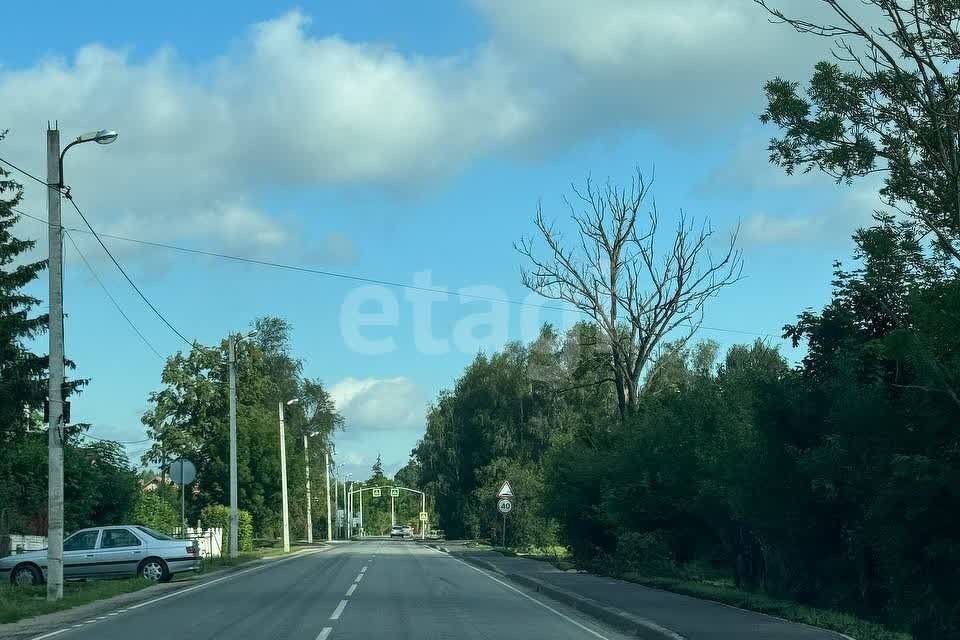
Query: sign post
[183,473]
[504,506]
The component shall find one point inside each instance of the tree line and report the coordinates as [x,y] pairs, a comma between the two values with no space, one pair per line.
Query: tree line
[188,417]
[833,481]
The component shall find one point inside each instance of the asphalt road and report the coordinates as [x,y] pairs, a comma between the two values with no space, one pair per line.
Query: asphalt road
[355,591]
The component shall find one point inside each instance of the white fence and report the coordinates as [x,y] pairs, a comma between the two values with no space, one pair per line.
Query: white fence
[15,543]
[210,541]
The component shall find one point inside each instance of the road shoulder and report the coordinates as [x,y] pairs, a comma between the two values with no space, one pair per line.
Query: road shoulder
[650,613]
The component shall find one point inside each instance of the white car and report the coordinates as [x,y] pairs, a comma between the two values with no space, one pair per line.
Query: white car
[108,552]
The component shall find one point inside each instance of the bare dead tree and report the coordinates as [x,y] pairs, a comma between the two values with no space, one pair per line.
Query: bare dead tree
[613,273]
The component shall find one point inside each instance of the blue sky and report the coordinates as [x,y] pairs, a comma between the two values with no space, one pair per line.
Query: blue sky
[387,140]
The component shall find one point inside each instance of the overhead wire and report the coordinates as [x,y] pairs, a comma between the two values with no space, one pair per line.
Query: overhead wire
[27,173]
[124,442]
[106,291]
[369,280]
[124,273]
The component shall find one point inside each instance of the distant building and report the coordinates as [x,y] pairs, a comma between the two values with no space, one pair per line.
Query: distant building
[154,483]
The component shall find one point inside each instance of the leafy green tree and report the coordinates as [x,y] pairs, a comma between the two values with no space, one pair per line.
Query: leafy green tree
[153,511]
[21,372]
[189,417]
[889,105]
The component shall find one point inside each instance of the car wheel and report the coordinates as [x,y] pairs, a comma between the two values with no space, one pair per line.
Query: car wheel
[26,575]
[154,570]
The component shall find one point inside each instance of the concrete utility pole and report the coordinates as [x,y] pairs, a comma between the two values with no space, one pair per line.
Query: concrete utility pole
[423,523]
[55,401]
[283,482]
[361,510]
[349,510]
[55,390]
[393,518]
[234,509]
[306,460]
[326,477]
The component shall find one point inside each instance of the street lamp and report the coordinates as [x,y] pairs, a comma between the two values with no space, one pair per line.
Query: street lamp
[56,369]
[326,477]
[234,508]
[283,477]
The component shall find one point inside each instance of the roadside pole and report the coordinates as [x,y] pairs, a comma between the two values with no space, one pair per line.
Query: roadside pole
[361,511]
[283,484]
[393,518]
[56,374]
[234,510]
[350,511]
[423,509]
[326,478]
[306,460]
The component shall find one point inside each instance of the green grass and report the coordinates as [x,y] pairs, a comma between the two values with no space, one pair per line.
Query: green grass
[17,603]
[724,591]
[212,564]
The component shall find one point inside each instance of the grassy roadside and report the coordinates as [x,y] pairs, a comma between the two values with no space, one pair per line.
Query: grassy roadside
[19,603]
[723,590]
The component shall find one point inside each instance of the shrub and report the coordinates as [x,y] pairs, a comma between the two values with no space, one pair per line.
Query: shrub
[153,511]
[646,552]
[218,516]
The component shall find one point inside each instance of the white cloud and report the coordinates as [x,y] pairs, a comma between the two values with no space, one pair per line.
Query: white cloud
[379,404]
[762,229]
[288,108]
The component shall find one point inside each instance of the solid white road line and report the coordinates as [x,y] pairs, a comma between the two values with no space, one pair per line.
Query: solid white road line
[352,588]
[359,578]
[324,633]
[339,610]
[533,600]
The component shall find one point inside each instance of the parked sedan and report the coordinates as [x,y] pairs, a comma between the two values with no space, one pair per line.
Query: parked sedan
[108,552]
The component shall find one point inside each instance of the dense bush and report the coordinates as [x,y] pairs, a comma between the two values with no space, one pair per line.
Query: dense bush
[153,511]
[218,516]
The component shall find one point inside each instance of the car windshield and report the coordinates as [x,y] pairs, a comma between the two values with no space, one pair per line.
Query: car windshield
[154,534]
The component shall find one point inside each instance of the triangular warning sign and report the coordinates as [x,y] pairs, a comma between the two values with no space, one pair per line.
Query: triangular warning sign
[505,490]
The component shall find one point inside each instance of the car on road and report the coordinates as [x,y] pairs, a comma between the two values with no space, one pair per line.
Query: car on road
[407,531]
[119,551]
[397,532]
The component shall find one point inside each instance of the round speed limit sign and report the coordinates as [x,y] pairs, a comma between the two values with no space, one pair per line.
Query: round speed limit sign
[504,506]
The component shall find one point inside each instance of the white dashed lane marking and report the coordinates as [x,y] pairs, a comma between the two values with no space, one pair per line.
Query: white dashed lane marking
[324,633]
[339,610]
[352,588]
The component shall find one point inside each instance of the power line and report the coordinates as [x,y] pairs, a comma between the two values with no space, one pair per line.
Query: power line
[87,435]
[109,295]
[345,276]
[27,173]
[124,273]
